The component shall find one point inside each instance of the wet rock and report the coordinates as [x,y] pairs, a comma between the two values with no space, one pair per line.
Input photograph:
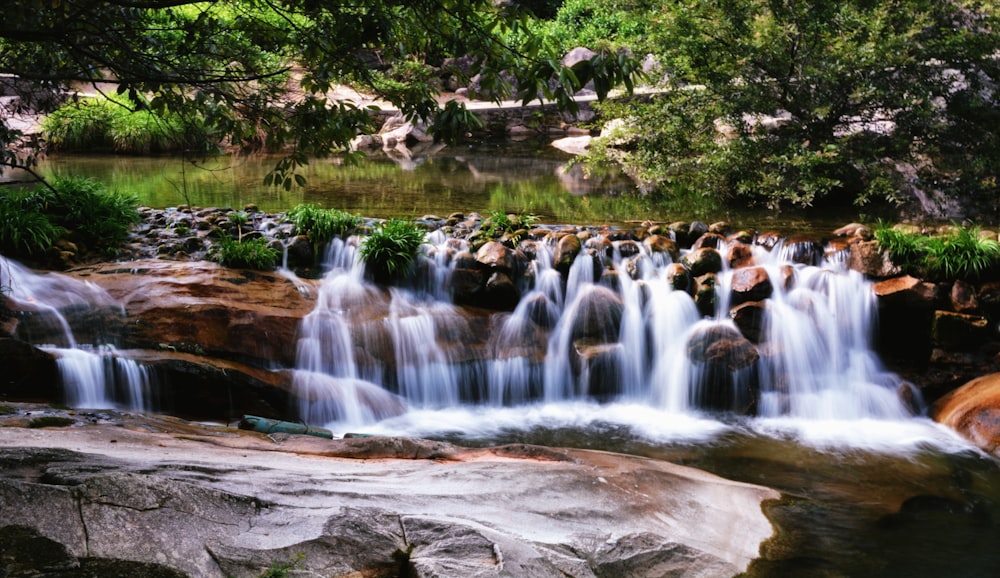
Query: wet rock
[467,279]
[629,248]
[958,331]
[740,255]
[301,253]
[749,319]
[973,411]
[906,292]
[868,259]
[802,251]
[567,249]
[598,367]
[854,230]
[963,297]
[602,247]
[598,315]
[727,363]
[661,244]
[769,240]
[496,256]
[750,284]
[706,296]
[711,240]
[679,278]
[703,261]
[28,373]
[242,315]
[500,292]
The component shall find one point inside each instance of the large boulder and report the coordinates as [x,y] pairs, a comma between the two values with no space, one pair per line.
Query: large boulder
[201,307]
[702,261]
[973,411]
[750,284]
[215,502]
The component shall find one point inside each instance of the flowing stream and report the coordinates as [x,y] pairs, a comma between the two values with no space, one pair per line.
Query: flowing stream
[94,375]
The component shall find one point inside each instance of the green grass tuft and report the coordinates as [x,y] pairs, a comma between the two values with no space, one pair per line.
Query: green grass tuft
[247,254]
[960,254]
[391,248]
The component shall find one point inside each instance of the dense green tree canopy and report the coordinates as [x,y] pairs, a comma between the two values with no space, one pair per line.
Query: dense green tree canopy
[259,72]
[807,101]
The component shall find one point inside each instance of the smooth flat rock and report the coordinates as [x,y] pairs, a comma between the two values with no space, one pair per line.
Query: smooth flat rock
[214,501]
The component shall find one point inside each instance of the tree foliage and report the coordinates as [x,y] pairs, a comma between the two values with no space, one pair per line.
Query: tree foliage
[261,72]
[805,101]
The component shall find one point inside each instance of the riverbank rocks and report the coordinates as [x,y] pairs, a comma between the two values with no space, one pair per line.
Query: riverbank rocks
[702,261]
[973,411]
[727,361]
[750,284]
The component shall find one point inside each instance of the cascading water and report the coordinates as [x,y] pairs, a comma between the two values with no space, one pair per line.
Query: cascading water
[96,378]
[585,337]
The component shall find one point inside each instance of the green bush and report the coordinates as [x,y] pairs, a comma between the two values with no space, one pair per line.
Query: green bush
[119,125]
[32,221]
[960,254]
[321,225]
[25,228]
[99,218]
[500,222]
[247,254]
[391,248]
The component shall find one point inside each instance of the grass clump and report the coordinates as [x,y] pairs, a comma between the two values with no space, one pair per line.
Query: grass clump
[322,225]
[118,125]
[83,210]
[499,222]
[246,254]
[962,253]
[389,251]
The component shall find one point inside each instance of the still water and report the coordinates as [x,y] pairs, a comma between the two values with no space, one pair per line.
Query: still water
[520,177]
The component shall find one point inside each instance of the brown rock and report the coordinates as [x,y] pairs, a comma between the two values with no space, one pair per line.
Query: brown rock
[494,255]
[567,249]
[906,291]
[750,284]
[230,313]
[739,256]
[958,331]
[973,411]
[749,318]
[701,261]
[662,244]
[963,297]
[866,258]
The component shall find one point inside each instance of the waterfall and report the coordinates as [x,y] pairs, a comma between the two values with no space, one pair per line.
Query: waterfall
[635,337]
[93,375]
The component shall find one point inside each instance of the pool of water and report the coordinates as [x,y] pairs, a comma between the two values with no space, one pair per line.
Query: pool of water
[521,177]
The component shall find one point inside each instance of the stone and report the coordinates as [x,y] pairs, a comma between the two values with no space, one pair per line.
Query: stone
[500,292]
[740,255]
[567,248]
[213,502]
[661,244]
[973,411]
[244,315]
[963,297]
[712,240]
[701,261]
[726,362]
[598,366]
[749,319]
[598,315]
[494,255]
[906,292]
[867,258]
[958,331]
[750,284]
[706,296]
[679,278]
[802,251]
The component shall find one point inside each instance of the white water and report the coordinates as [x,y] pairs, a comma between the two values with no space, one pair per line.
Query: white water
[94,378]
[563,357]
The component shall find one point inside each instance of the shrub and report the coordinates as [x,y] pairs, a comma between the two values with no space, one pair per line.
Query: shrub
[391,248]
[248,254]
[321,225]
[93,215]
[119,125]
[25,228]
[961,254]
